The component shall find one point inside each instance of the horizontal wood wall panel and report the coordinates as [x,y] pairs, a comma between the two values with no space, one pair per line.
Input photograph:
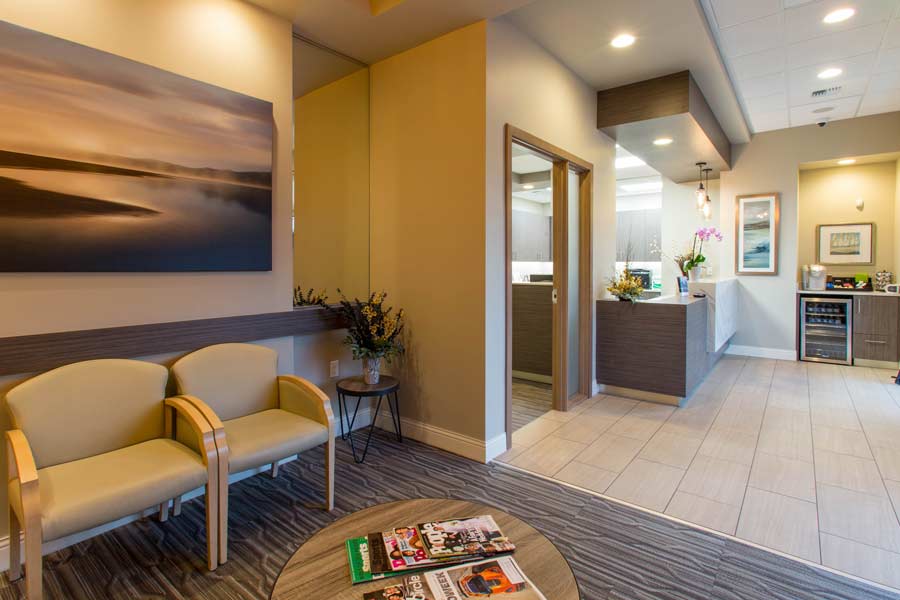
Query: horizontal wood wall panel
[33,353]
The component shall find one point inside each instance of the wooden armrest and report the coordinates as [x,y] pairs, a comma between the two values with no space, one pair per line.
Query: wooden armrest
[20,460]
[202,429]
[204,409]
[305,399]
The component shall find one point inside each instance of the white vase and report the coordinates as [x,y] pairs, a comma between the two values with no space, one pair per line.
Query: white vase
[694,274]
[372,370]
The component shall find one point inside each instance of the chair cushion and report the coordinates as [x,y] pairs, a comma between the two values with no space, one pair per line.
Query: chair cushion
[270,435]
[88,408]
[82,494]
[235,380]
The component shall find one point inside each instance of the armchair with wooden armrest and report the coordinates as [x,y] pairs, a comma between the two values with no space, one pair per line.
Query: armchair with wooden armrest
[94,442]
[258,417]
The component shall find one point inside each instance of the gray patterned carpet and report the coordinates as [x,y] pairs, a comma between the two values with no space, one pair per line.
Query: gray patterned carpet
[616,552]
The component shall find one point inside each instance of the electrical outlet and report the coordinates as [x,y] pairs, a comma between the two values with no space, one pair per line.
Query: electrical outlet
[334,368]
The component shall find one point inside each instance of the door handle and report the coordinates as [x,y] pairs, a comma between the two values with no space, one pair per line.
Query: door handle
[876,342]
[554,296]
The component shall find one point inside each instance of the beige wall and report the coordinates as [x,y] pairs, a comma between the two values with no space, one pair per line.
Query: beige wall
[223,42]
[828,197]
[427,111]
[770,162]
[529,88]
[331,188]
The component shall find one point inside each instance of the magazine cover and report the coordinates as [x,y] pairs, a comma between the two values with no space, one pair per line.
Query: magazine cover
[498,578]
[399,556]
[360,563]
[409,545]
[460,537]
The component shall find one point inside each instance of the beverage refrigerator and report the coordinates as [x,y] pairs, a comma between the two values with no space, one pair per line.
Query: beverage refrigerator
[826,330]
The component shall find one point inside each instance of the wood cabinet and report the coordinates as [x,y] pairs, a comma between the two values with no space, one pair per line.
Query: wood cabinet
[532,328]
[876,324]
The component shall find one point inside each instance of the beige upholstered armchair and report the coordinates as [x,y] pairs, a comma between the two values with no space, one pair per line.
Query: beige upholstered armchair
[93,442]
[258,417]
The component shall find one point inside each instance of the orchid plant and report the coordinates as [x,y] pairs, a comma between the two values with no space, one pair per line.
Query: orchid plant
[695,257]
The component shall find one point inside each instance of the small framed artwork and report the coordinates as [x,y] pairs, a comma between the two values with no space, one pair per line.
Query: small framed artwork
[682,286]
[756,222]
[847,244]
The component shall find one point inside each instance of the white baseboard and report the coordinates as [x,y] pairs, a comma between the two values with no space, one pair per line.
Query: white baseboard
[760,352]
[451,441]
[494,447]
[362,420]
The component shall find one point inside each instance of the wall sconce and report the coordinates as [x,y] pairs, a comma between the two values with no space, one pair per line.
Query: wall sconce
[860,204]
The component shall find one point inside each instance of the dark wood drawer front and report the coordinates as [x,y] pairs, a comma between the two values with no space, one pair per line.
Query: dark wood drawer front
[872,314]
[869,346]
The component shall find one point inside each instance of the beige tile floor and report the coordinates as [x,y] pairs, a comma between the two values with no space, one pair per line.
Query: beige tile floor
[803,458]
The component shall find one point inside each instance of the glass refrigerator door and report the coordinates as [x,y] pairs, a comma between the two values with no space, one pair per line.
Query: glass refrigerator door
[826,330]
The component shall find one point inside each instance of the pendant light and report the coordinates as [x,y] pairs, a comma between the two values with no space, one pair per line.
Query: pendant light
[707,203]
[701,191]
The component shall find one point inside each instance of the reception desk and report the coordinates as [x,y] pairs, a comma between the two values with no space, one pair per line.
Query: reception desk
[654,350]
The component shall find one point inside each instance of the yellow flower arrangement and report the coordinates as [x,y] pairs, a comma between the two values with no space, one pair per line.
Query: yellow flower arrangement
[625,286]
[373,330]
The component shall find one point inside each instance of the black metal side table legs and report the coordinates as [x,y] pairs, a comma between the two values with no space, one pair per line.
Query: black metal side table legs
[348,433]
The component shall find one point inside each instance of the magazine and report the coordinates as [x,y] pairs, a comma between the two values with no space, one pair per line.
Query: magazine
[493,578]
[395,555]
[360,561]
[464,537]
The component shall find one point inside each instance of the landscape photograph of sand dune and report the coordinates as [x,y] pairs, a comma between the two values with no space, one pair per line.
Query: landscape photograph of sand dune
[107,164]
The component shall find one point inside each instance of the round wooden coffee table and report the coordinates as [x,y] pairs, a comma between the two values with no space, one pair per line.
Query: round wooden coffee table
[319,569]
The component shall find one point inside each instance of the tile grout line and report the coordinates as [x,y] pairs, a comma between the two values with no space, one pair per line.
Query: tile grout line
[755,450]
[705,435]
[869,442]
[812,441]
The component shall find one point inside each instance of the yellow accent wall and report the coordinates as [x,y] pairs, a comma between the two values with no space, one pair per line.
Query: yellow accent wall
[428,221]
[828,197]
[331,187]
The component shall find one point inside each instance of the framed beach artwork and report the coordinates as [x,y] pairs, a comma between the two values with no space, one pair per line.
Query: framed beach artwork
[756,234]
[110,165]
[847,244]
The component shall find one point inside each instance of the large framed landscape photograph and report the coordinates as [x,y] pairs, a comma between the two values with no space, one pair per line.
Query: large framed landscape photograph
[846,244]
[756,234]
[107,164]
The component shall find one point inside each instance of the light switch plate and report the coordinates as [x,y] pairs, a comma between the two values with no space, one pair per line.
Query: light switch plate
[334,368]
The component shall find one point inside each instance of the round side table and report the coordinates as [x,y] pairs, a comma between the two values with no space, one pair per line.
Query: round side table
[356,387]
[319,570]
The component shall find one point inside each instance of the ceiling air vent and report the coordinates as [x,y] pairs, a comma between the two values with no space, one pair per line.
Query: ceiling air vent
[826,92]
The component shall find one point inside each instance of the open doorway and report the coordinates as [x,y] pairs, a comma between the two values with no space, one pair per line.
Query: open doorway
[548,242]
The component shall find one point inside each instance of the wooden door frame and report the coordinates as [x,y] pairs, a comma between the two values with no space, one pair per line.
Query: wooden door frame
[562,163]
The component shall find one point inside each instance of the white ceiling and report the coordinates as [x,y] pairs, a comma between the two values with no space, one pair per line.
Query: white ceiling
[627,165]
[672,35]
[348,25]
[774,50]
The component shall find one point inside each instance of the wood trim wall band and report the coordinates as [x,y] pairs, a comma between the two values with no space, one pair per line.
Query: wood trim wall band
[35,353]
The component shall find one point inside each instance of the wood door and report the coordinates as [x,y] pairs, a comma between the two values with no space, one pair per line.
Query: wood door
[876,315]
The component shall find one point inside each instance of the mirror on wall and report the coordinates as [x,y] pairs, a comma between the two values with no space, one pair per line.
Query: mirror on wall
[331,172]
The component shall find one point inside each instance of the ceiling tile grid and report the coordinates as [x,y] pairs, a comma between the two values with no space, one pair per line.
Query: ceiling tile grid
[775,51]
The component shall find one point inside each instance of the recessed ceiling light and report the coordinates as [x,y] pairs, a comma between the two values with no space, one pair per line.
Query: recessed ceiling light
[830,72]
[528,186]
[663,141]
[841,14]
[846,161]
[627,162]
[622,41]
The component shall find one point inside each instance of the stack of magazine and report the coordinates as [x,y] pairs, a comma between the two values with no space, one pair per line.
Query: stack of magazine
[464,558]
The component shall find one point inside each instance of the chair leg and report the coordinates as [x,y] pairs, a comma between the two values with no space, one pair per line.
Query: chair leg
[223,520]
[33,565]
[212,524]
[329,474]
[164,511]
[176,506]
[274,472]
[15,546]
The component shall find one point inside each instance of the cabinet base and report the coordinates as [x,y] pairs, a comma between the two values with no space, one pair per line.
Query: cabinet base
[876,364]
